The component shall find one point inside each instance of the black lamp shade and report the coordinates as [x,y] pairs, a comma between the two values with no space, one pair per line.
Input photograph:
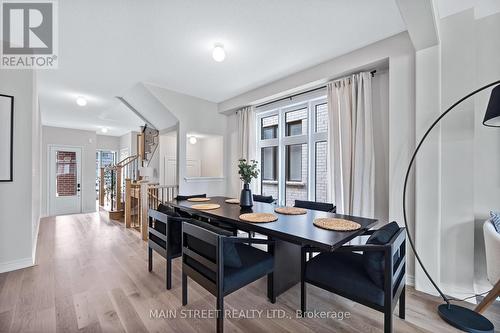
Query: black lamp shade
[492,116]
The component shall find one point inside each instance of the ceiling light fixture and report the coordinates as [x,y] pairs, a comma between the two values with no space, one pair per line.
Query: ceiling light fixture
[81,101]
[193,140]
[104,130]
[219,54]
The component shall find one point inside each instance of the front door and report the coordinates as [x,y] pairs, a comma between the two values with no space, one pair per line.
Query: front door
[65,180]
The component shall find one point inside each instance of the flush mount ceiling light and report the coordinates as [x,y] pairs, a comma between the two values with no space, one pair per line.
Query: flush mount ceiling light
[81,101]
[104,130]
[219,54]
[193,140]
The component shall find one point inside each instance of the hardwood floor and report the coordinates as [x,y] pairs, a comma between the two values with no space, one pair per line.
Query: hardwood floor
[91,276]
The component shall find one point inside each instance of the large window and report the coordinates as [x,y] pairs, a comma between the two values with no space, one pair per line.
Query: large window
[293,149]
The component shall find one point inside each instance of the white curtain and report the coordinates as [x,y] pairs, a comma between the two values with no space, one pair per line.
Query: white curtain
[351,162]
[246,137]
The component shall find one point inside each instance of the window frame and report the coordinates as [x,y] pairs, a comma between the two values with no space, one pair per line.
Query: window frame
[281,108]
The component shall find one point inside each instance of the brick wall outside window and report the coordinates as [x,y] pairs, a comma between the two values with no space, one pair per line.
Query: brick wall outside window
[66,173]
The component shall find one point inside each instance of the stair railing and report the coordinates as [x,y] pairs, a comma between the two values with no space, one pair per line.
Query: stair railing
[112,182]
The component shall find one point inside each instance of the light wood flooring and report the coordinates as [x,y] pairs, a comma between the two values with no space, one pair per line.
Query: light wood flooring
[91,276]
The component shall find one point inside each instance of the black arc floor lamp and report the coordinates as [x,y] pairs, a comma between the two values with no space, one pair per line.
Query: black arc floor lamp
[455,315]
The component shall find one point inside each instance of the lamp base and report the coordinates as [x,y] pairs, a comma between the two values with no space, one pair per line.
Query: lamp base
[465,319]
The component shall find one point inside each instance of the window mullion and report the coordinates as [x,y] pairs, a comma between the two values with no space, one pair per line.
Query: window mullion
[282,157]
[311,121]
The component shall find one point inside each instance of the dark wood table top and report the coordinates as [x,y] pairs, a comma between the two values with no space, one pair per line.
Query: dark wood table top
[297,229]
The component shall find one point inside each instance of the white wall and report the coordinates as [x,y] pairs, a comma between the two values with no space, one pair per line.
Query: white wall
[129,141]
[458,181]
[168,152]
[198,116]
[486,140]
[19,200]
[75,138]
[108,142]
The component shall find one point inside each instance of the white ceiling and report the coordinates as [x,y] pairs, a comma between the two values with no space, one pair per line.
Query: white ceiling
[106,47]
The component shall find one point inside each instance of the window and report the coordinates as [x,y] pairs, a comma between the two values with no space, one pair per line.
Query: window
[269,127]
[293,149]
[294,155]
[296,122]
[269,163]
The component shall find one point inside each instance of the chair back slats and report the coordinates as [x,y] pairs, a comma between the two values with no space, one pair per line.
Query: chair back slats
[198,232]
[313,205]
[200,259]
[205,282]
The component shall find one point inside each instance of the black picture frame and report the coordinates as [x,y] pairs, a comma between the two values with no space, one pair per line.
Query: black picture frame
[10,154]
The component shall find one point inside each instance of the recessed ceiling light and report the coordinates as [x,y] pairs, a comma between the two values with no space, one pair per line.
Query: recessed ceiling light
[81,101]
[219,54]
[104,130]
[193,140]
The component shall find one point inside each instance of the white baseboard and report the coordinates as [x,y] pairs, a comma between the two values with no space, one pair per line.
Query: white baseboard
[15,264]
[410,280]
[35,242]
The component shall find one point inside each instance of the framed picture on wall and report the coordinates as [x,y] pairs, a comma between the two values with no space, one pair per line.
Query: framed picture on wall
[6,137]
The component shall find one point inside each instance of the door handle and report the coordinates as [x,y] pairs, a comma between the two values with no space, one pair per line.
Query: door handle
[78,187]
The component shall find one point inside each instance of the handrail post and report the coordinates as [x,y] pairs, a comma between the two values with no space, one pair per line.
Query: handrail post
[144,210]
[128,202]
[101,187]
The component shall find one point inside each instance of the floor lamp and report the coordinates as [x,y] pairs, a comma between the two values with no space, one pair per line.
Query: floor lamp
[455,315]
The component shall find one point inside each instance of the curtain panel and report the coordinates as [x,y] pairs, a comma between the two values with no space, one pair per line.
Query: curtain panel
[247,141]
[351,160]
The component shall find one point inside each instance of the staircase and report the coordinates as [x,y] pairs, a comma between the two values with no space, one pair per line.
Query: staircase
[114,181]
[147,144]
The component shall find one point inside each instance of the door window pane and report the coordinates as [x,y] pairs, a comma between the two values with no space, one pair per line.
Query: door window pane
[296,173]
[269,127]
[296,122]
[321,116]
[321,173]
[66,173]
[269,171]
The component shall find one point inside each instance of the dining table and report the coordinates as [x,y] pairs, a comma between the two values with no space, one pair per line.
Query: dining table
[289,233]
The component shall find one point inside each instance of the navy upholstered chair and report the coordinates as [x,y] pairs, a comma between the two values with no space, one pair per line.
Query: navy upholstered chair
[222,263]
[322,206]
[263,198]
[375,277]
[204,195]
[185,197]
[164,237]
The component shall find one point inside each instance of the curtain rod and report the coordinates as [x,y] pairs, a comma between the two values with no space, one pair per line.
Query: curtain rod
[301,93]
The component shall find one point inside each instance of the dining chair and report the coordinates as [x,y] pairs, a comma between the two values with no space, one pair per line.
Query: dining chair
[165,237]
[321,206]
[375,277]
[263,198]
[222,263]
[204,195]
[185,197]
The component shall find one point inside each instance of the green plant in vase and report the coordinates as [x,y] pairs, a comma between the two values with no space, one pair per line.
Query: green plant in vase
[247,170]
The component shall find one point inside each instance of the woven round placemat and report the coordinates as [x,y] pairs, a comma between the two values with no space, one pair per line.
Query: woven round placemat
[198,199]
[258,217]
[232,201]
[331,223]
[290,210]
[205,206]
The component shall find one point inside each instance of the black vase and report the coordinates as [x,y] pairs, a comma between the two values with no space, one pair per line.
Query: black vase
[246,200]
